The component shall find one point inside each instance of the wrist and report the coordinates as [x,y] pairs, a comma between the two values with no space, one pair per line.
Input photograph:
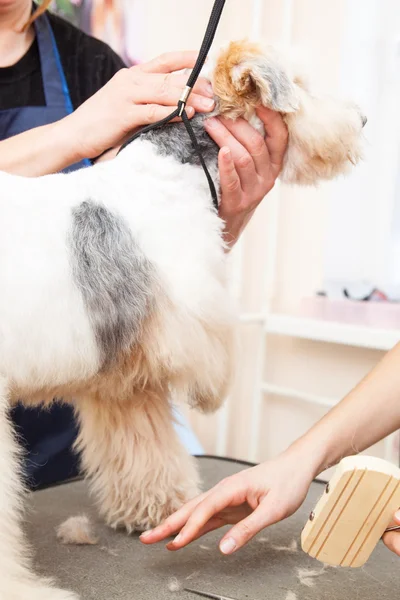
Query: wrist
[234,227]
[67,139]
[315,452]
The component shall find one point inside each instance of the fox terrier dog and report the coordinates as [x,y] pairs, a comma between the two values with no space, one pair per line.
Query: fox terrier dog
[114,297]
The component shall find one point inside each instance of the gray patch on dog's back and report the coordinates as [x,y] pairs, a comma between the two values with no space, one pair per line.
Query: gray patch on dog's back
[113,275]
[173,140]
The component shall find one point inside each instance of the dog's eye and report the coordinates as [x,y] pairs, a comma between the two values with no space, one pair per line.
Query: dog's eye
[364,120]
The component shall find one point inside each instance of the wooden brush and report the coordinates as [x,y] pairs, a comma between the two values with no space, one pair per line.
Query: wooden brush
[353,514]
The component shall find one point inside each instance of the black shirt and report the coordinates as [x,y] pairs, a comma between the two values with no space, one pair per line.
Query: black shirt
[87,62]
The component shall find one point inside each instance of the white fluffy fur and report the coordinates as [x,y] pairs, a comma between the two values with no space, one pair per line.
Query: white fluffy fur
[138,469]
[17,580]
[36,216]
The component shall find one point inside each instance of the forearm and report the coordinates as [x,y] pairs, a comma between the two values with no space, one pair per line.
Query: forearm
[39,151]
[365,416]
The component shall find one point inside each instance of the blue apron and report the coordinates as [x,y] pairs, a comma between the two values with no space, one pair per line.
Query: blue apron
[58,101]
[48,435]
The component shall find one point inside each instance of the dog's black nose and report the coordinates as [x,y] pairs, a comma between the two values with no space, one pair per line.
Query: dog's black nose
[364,120]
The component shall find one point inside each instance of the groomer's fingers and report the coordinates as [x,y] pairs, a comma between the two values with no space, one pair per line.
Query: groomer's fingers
[267,513]
[229,180]
[396,520]
[224,494]
[228,516]
[392,538]
[392,541]
[173,524]
[170,61]
[251,140]
[212,525]
[167,89]
[242,158]
[276,137]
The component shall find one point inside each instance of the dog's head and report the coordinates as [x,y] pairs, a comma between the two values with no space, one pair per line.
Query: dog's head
[245,76]
[324,134]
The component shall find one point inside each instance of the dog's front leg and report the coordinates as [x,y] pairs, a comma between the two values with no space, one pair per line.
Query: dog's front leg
[139,471]
[17,580]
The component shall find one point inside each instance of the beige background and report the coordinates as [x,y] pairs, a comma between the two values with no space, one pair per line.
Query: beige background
[316,26]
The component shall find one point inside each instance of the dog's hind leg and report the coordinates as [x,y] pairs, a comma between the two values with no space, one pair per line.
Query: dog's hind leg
[17,580]
[140,472]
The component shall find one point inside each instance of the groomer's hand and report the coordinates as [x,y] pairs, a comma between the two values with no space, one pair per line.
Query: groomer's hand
[250,500]
[132,98]
[249,165]
[392,539]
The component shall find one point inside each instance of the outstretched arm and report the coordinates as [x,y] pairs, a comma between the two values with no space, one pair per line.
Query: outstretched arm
[266,494]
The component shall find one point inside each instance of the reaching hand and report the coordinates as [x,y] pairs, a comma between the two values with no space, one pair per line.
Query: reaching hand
[250,500]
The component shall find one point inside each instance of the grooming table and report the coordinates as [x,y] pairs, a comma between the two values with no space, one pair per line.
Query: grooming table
[121,568]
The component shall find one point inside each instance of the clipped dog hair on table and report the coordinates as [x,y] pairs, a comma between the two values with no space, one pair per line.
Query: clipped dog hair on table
[174,585]
[77,530]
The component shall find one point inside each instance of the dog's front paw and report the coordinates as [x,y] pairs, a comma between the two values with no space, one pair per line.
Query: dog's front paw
[156,510]
[151,491]
[148,508]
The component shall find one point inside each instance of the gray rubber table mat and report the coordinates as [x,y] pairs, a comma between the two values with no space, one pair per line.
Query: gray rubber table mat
[120,568]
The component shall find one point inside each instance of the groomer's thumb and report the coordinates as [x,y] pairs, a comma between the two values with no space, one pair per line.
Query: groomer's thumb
[396,520]
[392,538]
[263,516]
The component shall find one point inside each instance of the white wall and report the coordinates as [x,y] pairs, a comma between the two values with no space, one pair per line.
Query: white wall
[361,206]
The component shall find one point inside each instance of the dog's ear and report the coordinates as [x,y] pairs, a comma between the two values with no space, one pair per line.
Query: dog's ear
[262,75]
[247,75]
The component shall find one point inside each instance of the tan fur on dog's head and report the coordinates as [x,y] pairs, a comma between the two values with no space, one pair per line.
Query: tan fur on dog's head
[246,77]
[325,135]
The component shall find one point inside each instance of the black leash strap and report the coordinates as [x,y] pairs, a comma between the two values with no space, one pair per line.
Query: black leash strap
[180,111]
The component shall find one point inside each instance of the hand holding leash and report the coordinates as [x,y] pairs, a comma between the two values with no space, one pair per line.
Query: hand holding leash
[132,98]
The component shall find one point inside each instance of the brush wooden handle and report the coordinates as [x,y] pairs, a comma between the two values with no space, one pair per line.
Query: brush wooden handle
[354,512]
